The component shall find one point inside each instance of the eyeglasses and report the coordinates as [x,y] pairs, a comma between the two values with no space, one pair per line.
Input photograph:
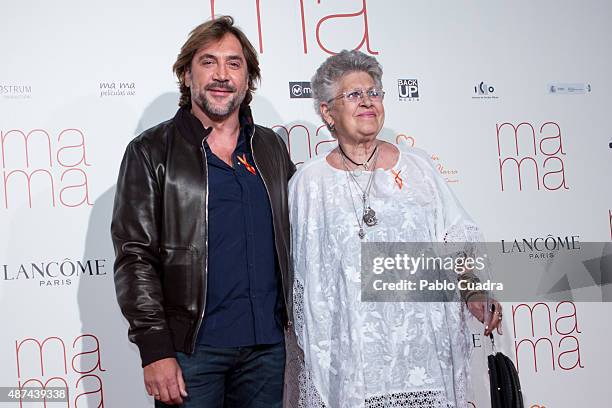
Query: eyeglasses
[357,95]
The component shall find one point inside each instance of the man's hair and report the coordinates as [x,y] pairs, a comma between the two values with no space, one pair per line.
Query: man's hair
[201,36]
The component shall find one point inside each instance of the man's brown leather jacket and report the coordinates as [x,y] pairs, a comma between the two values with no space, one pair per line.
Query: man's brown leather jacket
[160,234]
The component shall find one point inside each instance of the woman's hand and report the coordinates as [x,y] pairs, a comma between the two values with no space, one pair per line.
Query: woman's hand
[487,311]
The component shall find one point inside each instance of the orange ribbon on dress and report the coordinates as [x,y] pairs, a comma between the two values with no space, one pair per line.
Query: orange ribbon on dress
[398,180]
[244,161]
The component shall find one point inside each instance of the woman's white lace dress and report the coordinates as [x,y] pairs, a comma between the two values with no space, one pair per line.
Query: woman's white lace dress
[372,354]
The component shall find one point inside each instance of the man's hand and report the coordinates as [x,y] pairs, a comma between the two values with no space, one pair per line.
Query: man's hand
[164,381]
[488,312]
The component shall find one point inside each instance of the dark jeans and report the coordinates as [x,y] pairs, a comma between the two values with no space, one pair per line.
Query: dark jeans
[249,377]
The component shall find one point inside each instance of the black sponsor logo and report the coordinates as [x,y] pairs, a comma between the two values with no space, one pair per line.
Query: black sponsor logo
[300,90]
[408,90]
[62,272]
[482,90]
[541,247]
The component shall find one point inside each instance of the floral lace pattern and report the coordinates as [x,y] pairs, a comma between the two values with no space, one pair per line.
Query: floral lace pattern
[300,391]
[417,399]
[372,354]
[298,308]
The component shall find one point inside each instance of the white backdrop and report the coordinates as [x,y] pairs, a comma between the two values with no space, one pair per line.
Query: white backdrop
[79,80]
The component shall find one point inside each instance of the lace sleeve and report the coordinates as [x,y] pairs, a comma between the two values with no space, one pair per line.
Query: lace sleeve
[300,391]
[468,242]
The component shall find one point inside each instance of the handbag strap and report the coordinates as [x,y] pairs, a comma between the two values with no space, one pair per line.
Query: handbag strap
[493,343]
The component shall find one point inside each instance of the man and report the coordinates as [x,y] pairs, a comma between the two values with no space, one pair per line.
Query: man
[200,229]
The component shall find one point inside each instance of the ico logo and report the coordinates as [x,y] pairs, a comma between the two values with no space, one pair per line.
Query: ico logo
[483,89]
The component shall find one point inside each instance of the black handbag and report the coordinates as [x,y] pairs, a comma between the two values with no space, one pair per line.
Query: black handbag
[504,381]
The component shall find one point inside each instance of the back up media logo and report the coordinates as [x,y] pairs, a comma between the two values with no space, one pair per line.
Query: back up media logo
[300,90]
[408,90]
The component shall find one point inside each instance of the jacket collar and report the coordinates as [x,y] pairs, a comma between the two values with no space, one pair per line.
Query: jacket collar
[192,129]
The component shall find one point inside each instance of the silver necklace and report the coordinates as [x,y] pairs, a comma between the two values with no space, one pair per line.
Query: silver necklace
[368,216]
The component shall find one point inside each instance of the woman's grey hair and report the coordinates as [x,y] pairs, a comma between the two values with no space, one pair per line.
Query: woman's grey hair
[326,80]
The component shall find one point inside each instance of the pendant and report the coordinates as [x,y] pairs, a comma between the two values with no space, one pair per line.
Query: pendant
[369,217]
[357,172]
[361,233]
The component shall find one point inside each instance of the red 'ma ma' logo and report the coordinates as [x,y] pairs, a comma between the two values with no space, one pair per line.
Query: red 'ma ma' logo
[532,160]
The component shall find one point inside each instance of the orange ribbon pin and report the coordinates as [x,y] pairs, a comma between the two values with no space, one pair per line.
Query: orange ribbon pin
[398,179]
[244,161]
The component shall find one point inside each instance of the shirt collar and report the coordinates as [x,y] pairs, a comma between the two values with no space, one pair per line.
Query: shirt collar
[194,131]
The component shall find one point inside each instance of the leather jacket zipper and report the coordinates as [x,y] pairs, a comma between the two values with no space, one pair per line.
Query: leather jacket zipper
[289,323]
[201,318]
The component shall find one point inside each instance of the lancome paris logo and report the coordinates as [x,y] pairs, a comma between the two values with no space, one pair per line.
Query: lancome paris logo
[541,247]
[408,90]
[53,273]
[117,88]
[300,90]
[483,90]
[13,91]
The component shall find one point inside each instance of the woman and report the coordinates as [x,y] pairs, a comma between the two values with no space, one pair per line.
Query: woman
[372,354]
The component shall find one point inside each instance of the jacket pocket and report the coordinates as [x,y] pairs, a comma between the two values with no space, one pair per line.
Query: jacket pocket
[178,269]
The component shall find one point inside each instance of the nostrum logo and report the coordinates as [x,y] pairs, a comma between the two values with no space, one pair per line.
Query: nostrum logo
[15,91]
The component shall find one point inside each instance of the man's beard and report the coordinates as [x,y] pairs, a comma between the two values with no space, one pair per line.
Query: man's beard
[214,110]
